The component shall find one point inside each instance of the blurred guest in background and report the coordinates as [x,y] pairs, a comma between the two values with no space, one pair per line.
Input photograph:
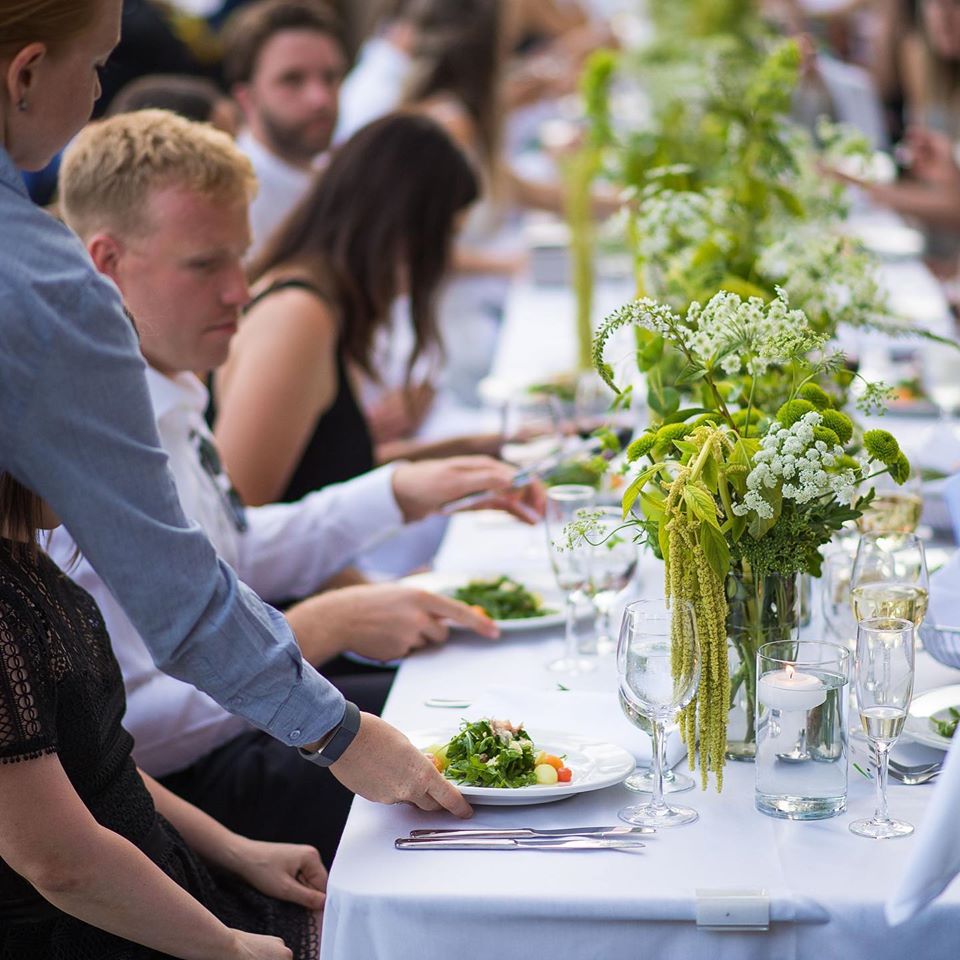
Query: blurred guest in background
[283,62]
[287,421]
[195,98]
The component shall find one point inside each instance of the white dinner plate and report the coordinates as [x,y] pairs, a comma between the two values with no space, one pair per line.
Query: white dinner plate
[594,764]
[448,583]
[918,726]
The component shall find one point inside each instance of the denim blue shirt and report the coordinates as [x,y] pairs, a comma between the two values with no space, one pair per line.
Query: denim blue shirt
[76,427]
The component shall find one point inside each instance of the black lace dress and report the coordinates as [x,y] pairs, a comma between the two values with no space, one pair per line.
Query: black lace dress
[61,692]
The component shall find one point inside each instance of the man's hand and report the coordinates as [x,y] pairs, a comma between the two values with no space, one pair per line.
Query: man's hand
[382,621]
[382,765]
[422,488]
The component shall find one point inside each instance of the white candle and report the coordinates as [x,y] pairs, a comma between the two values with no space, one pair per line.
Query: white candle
[789,689]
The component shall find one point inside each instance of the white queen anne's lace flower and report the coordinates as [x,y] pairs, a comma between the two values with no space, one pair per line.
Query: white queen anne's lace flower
[802,465]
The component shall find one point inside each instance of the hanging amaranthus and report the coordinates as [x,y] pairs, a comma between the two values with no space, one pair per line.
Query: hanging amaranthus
[689,576]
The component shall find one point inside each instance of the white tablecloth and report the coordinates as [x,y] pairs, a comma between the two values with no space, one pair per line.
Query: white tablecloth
[825,886]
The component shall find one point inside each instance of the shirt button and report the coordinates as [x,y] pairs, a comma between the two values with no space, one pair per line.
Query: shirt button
[295,734]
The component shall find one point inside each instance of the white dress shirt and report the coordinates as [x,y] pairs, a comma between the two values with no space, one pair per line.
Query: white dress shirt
[280,188]
[286,550]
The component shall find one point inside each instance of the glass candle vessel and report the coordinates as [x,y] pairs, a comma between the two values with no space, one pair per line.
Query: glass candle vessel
[801,724]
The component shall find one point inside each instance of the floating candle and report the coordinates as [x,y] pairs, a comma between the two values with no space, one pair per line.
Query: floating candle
[789,689]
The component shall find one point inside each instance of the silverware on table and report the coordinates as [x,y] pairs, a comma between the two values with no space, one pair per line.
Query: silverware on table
[520,832]
[914,769]
[595,842]
[913,779]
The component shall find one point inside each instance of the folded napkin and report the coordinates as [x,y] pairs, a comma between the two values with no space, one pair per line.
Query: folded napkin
[585,713]
[944,610]
[935,859]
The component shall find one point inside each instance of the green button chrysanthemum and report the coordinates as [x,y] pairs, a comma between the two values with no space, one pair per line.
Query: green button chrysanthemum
[816,395]
[641,446]
[882,446]
[793,410]
[839,423]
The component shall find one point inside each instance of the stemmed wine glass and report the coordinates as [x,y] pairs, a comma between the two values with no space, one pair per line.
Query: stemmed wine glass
[570,558]
[884,681]
[941,380]
[612,567]
[890,578]
[658,663]
[895,508]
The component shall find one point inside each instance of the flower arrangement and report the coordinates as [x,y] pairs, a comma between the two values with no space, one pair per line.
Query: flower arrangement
[750,479]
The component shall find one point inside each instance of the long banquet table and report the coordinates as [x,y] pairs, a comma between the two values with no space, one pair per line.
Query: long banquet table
[823,888]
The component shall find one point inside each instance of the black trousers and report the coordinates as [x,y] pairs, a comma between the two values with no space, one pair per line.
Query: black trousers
[261,788]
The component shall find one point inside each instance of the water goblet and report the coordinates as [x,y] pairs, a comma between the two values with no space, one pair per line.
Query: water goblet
[658,664]
[642,780]
[884,683]
[570,560]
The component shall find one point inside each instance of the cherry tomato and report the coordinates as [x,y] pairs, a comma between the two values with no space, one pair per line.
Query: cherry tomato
[564,775]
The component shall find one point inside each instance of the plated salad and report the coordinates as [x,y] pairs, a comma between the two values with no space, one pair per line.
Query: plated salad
[946,725]
[495,753]
[502,598]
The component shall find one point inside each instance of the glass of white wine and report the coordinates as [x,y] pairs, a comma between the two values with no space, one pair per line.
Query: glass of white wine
[894,508]
[884,684]
[890,578]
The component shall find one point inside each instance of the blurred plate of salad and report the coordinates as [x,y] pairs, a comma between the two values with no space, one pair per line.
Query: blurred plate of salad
[932,715]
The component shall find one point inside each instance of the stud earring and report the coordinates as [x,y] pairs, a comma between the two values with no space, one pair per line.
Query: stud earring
[22,105]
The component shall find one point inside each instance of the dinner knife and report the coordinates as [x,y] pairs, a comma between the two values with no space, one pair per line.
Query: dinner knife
[519,832]
[596,842]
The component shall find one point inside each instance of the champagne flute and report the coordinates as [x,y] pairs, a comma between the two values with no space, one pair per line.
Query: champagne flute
[884,681]
[658,664]
[890,578]
[570,559]
[612,567]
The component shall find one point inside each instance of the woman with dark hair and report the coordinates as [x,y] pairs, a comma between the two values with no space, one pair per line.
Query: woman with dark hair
[121,876]
[378,223]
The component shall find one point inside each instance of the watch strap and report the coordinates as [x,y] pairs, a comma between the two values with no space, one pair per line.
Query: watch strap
[338,740]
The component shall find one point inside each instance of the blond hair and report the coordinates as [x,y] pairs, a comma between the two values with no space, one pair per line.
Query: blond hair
[110,169]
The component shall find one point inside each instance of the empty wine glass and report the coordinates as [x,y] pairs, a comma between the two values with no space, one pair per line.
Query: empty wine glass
[570,558]
[884,683]
[835,597]
[658,663]
[612,567]
[890,578]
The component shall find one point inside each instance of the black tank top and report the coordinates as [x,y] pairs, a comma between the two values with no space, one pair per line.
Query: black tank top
[340,447]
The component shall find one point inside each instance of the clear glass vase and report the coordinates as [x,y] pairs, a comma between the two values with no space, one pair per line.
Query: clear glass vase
[760,609]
